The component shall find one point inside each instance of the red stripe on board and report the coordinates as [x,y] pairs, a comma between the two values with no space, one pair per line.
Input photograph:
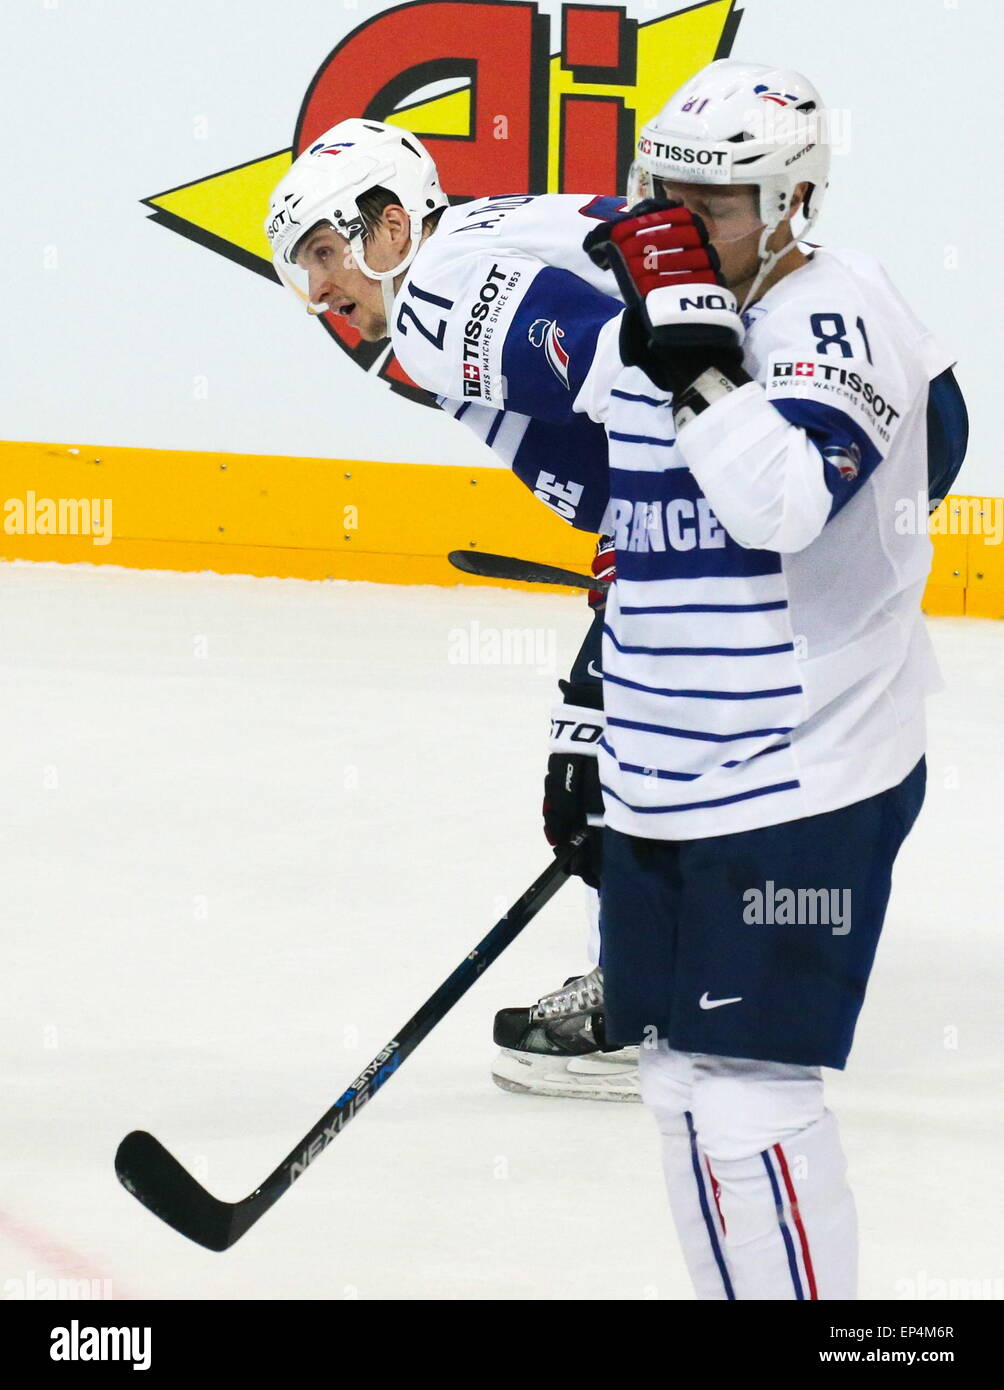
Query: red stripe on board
[797,1218]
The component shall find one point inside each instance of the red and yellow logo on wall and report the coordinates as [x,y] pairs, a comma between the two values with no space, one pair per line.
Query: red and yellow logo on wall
[476,81]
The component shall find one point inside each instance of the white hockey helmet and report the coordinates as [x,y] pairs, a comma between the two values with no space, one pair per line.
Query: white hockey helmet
[325,184]
[740,123]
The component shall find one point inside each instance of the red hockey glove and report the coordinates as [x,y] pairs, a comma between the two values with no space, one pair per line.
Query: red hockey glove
[659,244]
[604,567]
[687,339]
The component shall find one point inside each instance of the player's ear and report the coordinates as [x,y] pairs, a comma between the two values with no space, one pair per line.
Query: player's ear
[398,224]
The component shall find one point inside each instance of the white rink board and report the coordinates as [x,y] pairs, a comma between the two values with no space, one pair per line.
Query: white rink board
[280,817]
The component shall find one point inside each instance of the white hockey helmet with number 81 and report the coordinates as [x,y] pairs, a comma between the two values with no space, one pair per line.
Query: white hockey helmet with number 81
[741,123]
[324,186]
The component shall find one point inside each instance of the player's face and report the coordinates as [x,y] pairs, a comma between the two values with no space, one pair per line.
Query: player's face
[336,280]
[733,223]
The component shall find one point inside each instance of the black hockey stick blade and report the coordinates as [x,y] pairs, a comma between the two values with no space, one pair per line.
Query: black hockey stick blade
[156,1178]
[159,1181]
[523,571]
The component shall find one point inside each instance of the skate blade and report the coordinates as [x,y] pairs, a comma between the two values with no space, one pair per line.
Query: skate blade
[591,1078]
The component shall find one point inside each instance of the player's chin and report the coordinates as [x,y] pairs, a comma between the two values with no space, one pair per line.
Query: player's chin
[373,331]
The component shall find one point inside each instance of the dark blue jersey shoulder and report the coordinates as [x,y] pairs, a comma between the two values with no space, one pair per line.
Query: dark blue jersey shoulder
[551,342]
[947,435]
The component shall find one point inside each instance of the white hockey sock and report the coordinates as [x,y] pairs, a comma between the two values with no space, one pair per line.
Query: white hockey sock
[666,1081]
[791,1220]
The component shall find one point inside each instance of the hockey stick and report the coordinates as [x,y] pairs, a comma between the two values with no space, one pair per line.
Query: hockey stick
[525,571]
[158,1180]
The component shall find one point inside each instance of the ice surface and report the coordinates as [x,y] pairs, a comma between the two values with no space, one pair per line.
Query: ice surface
[247,826]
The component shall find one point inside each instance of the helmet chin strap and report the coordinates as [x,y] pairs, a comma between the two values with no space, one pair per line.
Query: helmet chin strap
[769,259]
[386,278]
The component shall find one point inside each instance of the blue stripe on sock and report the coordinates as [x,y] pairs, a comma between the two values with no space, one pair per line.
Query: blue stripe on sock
[702,1197]
[789,1244]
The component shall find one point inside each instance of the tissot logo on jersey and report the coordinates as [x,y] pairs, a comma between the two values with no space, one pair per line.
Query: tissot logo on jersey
[481,346]
[474,330]
[817,378]
[794,369]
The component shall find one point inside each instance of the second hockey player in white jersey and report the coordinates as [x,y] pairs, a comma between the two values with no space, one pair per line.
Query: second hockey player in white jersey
[765,663]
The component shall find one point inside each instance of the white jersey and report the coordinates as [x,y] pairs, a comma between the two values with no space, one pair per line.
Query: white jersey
[764,657]
[477,322]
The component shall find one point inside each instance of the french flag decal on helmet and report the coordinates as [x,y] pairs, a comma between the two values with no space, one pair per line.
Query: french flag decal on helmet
[779,98]
[545,333]
[322,148]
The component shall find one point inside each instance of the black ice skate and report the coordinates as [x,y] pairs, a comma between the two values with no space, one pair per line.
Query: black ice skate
[558,1048]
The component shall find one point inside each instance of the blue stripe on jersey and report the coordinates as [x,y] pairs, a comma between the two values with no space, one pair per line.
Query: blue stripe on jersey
[648,771]
[705,694]
[704,736]
[702,1197]
[834,432]
[645,439]
[551,342]
[789,1244]
[459,414]
[703,805]
[698,651]
[495,427]
[687,776]
[642,400]
[710,607]
[774,748]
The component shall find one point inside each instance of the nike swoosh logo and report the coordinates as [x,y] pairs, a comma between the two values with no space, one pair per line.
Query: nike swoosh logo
[592,671]
[707,1003]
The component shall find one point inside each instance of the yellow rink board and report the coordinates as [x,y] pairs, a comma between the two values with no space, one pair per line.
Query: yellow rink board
[298,518]
[391,523]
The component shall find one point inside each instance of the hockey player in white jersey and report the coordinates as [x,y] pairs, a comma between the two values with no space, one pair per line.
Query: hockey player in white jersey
[765,663]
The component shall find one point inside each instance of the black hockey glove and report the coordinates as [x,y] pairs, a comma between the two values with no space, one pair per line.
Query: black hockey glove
[681,325]
[573,801]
